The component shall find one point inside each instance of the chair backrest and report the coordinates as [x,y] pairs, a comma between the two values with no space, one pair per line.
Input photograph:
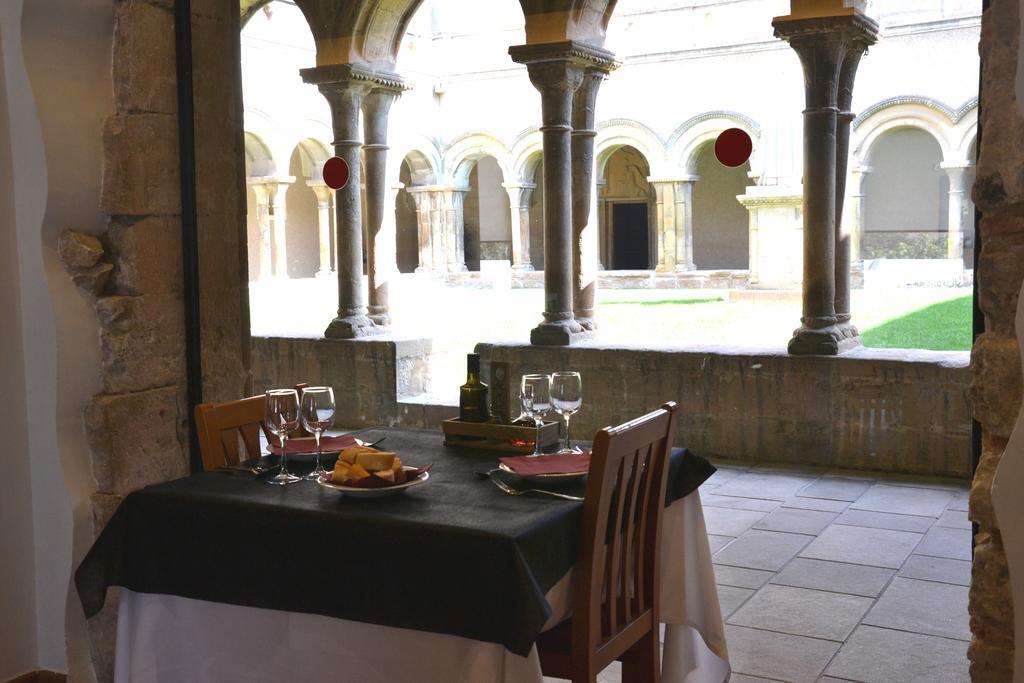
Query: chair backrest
[228,429]
[615,600]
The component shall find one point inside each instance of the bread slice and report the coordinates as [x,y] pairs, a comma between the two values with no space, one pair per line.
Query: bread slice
[375,461]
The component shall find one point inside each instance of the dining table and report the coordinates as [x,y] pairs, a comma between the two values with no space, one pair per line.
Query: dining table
[224,578]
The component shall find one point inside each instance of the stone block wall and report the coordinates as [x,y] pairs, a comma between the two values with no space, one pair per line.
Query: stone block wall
[137,426]
[996,378]
[875,409]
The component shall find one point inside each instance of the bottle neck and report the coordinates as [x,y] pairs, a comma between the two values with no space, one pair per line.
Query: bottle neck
[472,378]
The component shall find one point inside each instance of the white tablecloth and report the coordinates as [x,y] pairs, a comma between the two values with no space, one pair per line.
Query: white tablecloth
[169,639]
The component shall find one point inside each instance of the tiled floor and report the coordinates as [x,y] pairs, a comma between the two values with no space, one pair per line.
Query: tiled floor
[839,576]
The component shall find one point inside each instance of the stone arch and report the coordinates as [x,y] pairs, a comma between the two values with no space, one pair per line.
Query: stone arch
[487,230]
[526,152]
[686,143]
[464,151]
[417,166]
[423,159]
[721,224]
[302,208]
[909,111]
[259,160]
[626,210]
[584,21]
[358,32]
[617,133]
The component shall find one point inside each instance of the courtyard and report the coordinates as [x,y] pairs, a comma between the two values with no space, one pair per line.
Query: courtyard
[456,318]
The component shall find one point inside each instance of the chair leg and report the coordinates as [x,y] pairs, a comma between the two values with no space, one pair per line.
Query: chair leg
[642,662]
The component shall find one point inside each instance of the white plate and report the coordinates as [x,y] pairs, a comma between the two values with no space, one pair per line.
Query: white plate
[545,478]
[357,492]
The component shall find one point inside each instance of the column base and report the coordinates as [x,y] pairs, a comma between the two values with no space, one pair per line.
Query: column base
[380,316]
[588,323]
[824,341]
[562,333]
[685,267]
[352,327]
[522,267]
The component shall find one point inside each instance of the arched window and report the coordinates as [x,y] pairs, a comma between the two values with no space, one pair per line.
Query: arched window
[625,204]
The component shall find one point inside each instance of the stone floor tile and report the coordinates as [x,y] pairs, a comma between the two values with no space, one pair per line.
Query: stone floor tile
[836,488]
[936,609]
[953,485]
[855,579]
[959,502]
[859,545]
[743,678]
[730,598]
[777,655]
[802,612]
[945,542]
[715,500]
[769,550]
[740,577]
[822,504]
[764,485]
[876,655]
[730,521]
[722,475]
[954,519]
[719,542]
[940,569]
[904,500]
[885,520]
[796,521]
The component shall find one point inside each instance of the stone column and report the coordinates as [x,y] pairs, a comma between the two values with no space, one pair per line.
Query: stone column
[584,198]
[556,70]
[265,245]
[345,86]
[674,221]
[957,207]
[857,45]
[425,232]
[856,212]
[323,212]
[519,195]
[822,44]
[454,228]
[278,214]
[376,106]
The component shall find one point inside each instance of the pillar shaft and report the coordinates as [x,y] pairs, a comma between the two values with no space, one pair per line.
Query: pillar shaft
[278,213]
[845,117]
[323,214]
[557,70]
[344,87]
[265,240]
[376,106]
[856,212]
[822,44]
[519,195]
[674,222]
[957,218]
[584,199]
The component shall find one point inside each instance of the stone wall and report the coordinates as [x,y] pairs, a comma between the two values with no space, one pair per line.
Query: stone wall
[996,382]
[137,426]
[875,409]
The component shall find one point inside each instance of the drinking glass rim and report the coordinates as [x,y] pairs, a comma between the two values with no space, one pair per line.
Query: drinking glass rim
[316,390]
[567,373]
[536,376]
[277,392]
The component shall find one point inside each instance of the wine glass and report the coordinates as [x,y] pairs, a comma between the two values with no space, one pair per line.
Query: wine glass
[281,417]
[566,398]
[536,402]
[317,411]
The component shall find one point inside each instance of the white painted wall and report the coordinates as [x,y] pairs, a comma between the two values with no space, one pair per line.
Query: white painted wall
[55,52]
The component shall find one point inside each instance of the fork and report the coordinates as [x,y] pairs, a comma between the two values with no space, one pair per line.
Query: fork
[518,492]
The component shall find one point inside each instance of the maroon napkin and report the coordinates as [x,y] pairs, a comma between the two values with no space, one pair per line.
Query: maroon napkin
[307,444]
[531,466]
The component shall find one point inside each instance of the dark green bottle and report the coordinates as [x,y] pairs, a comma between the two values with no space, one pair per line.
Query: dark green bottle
[473,394]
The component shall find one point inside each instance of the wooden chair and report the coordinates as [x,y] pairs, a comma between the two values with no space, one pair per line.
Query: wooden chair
[227,430]
[616,581]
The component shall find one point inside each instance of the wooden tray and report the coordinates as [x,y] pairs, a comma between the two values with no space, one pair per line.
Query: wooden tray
[497,437]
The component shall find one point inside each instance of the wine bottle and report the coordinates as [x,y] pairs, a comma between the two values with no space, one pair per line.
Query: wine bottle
[473,394]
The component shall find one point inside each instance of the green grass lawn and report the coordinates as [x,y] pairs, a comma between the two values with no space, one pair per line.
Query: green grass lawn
[945,326]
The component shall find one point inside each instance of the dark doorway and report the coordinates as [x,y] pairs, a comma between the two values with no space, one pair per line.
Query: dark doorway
[629,237]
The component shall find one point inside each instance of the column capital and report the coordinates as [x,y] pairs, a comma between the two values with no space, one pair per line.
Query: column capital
[578,54]
[268,181]
[949,166]
[352,75]
[320,189]
[519,186]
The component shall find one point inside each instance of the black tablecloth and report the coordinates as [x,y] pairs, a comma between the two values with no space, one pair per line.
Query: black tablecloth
[454,555]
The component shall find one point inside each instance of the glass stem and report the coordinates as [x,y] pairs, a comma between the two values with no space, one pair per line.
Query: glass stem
[567,431]
[284,452]
[536,442]
[316,435]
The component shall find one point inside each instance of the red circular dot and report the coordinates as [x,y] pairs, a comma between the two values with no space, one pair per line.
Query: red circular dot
[733,147]
[336,173]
